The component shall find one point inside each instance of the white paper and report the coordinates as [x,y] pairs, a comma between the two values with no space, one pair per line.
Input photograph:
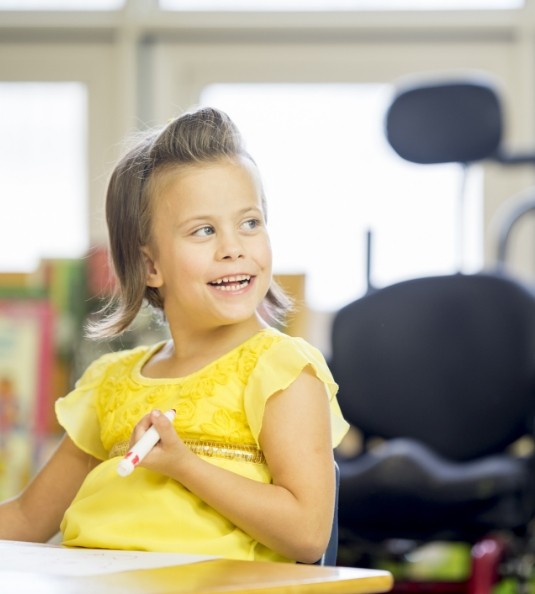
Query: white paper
[67,561]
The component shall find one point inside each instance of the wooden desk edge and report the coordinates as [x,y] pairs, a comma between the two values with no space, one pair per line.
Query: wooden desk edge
[251,577]
[215,576]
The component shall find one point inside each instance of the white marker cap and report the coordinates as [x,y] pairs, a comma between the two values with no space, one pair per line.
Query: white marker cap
[125,467]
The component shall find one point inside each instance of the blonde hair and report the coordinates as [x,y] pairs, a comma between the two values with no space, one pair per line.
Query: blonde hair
[199,136]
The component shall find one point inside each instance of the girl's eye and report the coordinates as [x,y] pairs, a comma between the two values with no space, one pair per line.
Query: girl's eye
[251,224]
[204,231]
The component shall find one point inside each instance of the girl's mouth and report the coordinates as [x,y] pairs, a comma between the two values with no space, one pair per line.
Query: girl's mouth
[231,283]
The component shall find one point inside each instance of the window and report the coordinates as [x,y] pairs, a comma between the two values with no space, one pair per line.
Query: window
[330,175]
[333,5]
[42,173]
[61,4]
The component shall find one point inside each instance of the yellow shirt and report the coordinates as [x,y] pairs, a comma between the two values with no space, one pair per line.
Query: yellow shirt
[219,415]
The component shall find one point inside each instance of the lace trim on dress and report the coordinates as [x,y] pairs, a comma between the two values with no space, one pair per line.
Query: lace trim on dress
[212,449]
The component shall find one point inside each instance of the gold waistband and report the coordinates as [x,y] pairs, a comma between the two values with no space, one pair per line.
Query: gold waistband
[212,449]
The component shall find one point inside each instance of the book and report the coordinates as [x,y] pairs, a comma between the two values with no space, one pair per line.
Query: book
[26,359]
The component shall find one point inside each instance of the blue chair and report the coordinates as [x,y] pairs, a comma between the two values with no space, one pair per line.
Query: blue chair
[331,552]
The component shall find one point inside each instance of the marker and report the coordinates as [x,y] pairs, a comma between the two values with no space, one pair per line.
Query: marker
[141,448]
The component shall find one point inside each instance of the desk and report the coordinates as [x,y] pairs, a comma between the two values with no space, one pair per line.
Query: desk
[214,576]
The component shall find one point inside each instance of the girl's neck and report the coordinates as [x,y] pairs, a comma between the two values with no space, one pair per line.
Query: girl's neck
[188,352]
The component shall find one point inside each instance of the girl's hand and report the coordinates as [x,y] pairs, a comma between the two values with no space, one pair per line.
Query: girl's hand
[165,455]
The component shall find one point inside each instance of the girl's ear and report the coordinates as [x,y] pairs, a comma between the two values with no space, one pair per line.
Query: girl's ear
[153,276]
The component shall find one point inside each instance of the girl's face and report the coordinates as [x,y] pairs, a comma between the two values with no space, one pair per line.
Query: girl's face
[210,256]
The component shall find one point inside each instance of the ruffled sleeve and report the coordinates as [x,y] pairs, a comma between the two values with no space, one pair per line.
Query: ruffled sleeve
[77,411]
[276,369]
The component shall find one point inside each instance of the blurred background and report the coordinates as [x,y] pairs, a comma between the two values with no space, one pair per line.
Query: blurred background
[308,83]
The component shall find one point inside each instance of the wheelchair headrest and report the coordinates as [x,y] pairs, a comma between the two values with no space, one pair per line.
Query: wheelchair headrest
[447,360]
[445,121]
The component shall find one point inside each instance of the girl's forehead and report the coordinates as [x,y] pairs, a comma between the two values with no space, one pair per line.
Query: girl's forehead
[195,181]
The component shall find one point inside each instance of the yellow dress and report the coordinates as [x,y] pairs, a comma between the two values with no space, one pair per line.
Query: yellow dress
[219,415]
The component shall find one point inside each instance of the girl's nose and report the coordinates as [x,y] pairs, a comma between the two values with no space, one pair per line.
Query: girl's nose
[230,248]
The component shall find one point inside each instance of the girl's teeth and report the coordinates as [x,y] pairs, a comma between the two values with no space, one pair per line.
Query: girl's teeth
[231,283]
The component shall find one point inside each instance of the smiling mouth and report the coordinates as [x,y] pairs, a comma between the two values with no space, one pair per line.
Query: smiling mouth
[231,283]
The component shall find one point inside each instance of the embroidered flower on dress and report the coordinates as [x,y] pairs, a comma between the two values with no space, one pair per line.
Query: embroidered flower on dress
[185,411]
[226,425]
[249,354]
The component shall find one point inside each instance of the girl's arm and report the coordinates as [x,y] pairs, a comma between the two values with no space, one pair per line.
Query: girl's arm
[36,513]
[293,515]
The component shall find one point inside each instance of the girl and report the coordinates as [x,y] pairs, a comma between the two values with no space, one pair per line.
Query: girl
[246,468]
